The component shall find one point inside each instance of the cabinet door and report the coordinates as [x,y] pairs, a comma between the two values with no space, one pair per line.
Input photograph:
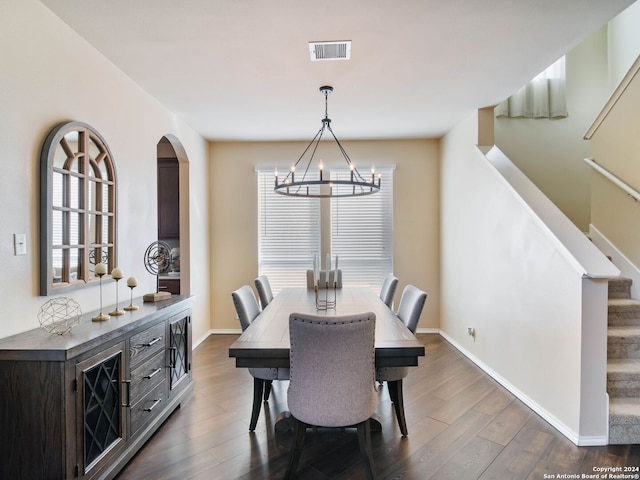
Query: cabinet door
[179,349]
[101,413]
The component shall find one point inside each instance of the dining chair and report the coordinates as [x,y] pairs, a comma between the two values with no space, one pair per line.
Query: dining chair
[409,310]
[332,362]
[388,289]
[264,290]
[323,276]
[247,309]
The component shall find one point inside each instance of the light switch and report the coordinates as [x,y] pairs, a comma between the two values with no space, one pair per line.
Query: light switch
[20,243]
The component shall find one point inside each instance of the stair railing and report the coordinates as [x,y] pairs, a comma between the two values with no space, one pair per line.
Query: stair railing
[610,176]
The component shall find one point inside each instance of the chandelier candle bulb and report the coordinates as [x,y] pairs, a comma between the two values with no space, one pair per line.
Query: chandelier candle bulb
[320,174]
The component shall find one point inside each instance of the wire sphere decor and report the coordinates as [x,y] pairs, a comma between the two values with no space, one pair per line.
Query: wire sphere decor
[59,315]
[157,257]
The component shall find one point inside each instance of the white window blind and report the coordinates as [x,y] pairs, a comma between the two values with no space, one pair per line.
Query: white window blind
[288,236]
[362,233]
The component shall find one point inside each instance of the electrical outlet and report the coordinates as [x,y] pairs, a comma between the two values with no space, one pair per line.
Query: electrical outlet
[471,332]
[20,243]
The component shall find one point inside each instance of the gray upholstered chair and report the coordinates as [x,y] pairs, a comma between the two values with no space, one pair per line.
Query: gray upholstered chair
[264,290]
[247,309]
[388,289]
[332,364]
[323,276]
[409,310]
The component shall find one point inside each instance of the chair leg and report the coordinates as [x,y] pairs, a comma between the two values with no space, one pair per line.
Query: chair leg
[258,387]
[395,392]
[267,389]
[300,431]
[364,441]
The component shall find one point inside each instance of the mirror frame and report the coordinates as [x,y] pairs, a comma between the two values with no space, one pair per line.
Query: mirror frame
[86,173]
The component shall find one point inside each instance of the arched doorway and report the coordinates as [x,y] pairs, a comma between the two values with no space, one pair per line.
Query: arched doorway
[173,213]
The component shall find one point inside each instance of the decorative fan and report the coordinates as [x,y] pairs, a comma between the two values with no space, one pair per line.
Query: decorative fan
[157,259]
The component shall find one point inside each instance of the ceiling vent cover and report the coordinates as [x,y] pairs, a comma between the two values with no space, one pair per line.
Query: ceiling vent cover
[330,50]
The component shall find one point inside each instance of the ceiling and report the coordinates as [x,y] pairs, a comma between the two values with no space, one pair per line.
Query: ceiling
[241,69]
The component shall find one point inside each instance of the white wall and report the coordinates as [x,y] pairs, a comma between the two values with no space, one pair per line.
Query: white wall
[503,274]
[234,237]
[624,43]
[551,152]
[49,74]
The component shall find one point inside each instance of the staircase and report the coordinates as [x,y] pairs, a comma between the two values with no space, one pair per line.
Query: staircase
[623,365]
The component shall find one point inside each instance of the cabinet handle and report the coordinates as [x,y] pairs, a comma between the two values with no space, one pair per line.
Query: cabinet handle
[172,357]
[127,404]
[153,374]
[153,405]
[152,342]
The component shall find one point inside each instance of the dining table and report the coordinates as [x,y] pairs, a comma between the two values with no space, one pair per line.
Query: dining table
[265,343]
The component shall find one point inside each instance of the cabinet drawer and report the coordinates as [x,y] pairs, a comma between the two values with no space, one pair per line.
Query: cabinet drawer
[146,343]
[147,376]
[148,407]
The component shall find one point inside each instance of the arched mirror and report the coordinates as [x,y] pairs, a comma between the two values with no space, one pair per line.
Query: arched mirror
[77,207]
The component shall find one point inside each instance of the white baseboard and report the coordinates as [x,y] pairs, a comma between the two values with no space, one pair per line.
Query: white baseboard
[428,330]
[198,341]
[591,441]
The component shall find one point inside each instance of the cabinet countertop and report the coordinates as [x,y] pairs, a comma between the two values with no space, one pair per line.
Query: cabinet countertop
[41,345]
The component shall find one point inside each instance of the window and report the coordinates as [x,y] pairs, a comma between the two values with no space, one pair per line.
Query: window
[77,217]
[288,234]
[362,233]
[542,97]
[290,230]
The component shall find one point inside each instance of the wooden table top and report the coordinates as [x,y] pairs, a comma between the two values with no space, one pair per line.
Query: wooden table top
[266,342]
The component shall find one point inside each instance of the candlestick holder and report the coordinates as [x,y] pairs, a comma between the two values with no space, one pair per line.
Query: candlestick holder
[102,316]
[326,303]
[131,283]
[116,311]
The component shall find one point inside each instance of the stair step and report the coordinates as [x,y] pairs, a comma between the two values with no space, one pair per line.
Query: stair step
[623,311]
[623,377]
[624,421]
[623,342]
[620,287]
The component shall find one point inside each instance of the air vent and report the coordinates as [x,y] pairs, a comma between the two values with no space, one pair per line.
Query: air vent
[330,50]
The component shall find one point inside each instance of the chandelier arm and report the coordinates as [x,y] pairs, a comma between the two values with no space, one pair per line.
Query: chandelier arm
[357,174]
[319,133]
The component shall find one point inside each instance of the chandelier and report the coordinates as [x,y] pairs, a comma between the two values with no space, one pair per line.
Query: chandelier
[300,184]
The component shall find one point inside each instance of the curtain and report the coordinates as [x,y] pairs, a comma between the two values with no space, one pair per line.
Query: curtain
[543,97]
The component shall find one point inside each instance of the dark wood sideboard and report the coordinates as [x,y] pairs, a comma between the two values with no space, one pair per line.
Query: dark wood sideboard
[80,405]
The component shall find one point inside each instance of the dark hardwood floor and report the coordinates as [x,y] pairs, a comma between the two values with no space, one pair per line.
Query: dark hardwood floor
[462,425]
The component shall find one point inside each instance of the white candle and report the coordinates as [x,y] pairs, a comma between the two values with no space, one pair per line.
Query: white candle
[316,269]
[132,282]
[116,274]
[328,268]
[101,269]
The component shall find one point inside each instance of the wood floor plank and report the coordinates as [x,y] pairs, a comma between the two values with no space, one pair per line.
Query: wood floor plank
[462,425]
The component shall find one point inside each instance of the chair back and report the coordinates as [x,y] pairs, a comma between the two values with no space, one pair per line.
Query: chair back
[264,290]
[246,305]
[388,289]
[332,362]
[410,307]
[323,276]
